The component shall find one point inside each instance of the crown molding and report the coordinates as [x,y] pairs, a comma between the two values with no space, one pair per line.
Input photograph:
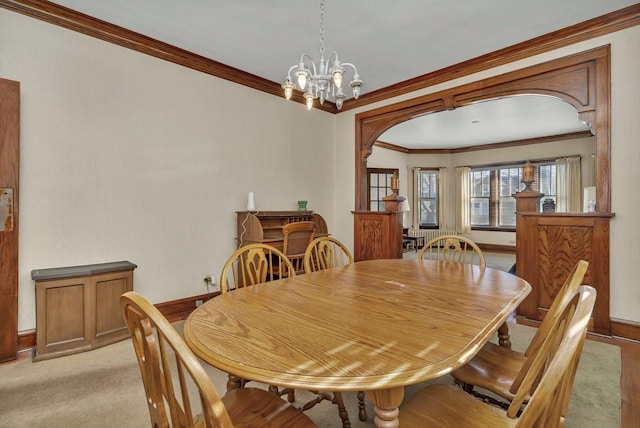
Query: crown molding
[76,21]
[90,26]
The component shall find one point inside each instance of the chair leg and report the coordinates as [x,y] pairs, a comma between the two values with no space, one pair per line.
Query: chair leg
[362,412]
[291,393]
[466,387]
[342,410]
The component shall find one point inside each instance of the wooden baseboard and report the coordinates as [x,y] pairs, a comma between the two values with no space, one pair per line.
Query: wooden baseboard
[174,310]
[620,329]
[180,309]
[495,248]
[625,329]
[26,340]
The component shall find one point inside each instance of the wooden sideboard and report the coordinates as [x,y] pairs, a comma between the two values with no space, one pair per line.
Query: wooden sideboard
[78,307]
[378,234]
[548,245]
[265,227]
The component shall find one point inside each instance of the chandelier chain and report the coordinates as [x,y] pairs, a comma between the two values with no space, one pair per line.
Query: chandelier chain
[322,29]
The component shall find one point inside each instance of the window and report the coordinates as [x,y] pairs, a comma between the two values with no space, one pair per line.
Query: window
[379,185]
[492,206]
[428,186]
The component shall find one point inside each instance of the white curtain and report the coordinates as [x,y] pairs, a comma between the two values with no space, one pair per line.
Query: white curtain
[568,184]
[463,199]
[415,212]
[442,196]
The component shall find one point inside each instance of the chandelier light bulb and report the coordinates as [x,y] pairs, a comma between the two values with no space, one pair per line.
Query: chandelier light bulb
[356,84]
[302,79]
[288,88]
[337,78]
[309,100]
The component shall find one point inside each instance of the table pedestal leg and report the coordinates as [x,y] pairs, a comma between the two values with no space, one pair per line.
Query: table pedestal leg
[385,406]
[504,339]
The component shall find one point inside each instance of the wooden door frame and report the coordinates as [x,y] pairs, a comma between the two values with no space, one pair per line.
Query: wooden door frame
[9,177]
[582,80]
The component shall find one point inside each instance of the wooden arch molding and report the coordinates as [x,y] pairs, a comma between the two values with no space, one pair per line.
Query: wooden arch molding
[582,80]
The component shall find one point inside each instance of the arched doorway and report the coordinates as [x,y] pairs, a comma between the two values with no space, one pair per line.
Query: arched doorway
[581,80]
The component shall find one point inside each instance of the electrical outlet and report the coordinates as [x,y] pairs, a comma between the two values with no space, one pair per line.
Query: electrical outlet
[208,280]
[198,302]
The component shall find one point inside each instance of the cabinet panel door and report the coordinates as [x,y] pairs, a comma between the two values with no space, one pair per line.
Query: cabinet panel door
[62,316]
[108,322]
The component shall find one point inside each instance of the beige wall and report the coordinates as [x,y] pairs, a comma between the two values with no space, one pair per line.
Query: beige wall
[127,157]
[625,156]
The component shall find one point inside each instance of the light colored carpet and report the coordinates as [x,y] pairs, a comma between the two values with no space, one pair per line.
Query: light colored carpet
[102,388]
[500,261]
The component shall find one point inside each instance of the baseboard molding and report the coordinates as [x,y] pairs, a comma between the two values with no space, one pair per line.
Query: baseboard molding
[173,310]
[625,329]
[26,340]
[495,248]
[620,329]
[176,310]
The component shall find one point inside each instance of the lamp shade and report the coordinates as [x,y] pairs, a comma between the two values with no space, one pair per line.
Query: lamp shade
[405,206]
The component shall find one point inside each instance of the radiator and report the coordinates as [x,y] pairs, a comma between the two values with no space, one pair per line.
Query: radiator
[429,234]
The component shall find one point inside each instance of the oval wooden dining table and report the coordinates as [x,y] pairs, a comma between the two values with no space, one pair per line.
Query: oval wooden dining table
[375,325]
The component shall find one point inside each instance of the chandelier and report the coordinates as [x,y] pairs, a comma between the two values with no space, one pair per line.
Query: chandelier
[323,81]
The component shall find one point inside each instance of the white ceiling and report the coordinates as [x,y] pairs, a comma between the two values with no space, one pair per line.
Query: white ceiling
[388,41]
[507,119]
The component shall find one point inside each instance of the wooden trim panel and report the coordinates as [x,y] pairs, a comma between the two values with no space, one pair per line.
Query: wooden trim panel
[582,80]
[9,234]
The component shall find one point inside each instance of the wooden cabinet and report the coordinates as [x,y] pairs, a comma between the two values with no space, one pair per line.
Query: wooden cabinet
[78,308]
[266,226]
[548,245]
[377,235]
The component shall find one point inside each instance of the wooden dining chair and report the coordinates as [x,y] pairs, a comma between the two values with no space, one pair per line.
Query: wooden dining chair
[326,252]
[500,370]
[177,386]
[547,384]
[249,265]
[453,248]
[296,238]
[254,264]
[459,249]
[323,253]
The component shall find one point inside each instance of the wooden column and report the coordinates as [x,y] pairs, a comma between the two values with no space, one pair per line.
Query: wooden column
[548,245]
[378,234]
